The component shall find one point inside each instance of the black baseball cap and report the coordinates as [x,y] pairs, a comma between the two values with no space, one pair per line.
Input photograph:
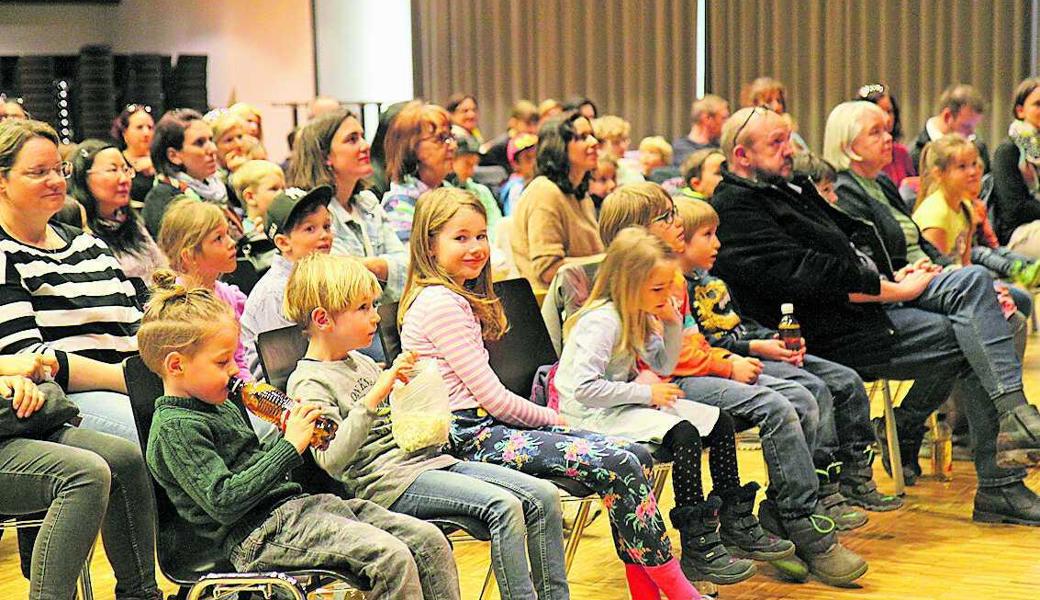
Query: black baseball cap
[288,205]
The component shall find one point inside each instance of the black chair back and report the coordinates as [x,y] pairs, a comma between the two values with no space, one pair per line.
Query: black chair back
[244,276]
[526,346]
[279,351]
[183,556]
[388,332]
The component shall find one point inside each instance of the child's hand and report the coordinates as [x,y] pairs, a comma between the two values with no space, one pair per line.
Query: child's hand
[398,371]
[745,370]
[33,366]
[664,395]
[669,313]
[299,427]
[25,397]
[775,349]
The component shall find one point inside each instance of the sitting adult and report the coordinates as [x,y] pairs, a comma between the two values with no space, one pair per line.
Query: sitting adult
[101,183]
[379,182]
[614,136]
[232,140]
[771,93]
[86,482]
[133,130]
[185,160]
[960,109]
[420,154]
[464,116]
[901,166]
[1016,178]
[707,113]
[782,242]
[11,108]
[523,118]
[331,150]
[62,292]
[583,106]
[555,221]
[254,120]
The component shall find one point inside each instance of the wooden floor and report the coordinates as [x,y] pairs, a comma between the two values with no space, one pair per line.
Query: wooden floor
[929,550]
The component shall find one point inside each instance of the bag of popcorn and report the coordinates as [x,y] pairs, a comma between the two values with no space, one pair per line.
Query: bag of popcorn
[420,415]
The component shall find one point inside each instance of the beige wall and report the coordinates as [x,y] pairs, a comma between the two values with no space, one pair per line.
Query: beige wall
[263,50]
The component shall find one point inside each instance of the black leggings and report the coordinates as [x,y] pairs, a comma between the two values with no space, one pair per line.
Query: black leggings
[685,444]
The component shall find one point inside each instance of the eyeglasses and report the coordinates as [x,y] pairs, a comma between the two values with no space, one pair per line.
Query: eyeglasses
[63,170]
[442,139]
[758,110]
[132,108]
[128,171]
[666,217]
[871,91]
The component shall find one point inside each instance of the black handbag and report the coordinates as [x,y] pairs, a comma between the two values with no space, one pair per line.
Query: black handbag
[56,412]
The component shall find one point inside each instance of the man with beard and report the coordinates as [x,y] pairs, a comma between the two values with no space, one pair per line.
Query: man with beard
[781,242]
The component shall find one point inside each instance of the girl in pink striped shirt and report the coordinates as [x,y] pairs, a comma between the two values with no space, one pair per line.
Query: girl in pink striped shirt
[447,311]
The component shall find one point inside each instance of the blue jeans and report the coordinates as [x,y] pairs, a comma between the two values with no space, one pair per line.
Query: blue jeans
[517,508]
[401,556]
[955,330]
[844,417]
[785,421]
[107,412]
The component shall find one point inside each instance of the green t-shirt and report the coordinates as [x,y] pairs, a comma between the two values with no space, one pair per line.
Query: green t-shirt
[910,231]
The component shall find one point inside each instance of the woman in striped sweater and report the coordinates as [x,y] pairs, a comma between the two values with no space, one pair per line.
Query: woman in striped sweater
[61,290]
[448,308]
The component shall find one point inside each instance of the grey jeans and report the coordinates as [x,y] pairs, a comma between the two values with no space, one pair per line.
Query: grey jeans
[401,556]
[85,481]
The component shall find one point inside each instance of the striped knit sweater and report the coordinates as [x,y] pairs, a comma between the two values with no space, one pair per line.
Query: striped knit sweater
[71,299]
[440,325]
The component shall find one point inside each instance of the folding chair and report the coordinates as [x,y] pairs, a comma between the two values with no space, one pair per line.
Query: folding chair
[891,433]
[195,564]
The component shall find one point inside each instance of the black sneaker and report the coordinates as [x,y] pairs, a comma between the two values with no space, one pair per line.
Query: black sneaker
[704,557]
[816,543]
[741,532]
[857,483]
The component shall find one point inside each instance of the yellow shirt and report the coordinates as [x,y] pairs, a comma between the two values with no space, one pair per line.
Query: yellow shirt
[935,213]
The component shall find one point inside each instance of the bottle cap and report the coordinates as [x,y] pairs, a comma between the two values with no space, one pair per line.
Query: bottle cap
[787,308]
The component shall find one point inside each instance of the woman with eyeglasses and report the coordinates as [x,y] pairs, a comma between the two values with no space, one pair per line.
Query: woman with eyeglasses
[420,154]
[554,221]
[101,183]
[11,108]
[132,132]
[901,166]
[62,292]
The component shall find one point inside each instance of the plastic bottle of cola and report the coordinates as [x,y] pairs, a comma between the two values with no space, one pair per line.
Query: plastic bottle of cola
[790,330]
[273,405]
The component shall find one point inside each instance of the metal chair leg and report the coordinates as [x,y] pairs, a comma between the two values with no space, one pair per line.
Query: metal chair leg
[581,520]
[86,590]
[489,584]
[895,457]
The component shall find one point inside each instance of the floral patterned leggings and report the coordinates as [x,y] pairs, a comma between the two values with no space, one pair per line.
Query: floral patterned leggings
[617,469]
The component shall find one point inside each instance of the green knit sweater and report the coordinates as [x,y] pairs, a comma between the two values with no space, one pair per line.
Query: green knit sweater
[214,470]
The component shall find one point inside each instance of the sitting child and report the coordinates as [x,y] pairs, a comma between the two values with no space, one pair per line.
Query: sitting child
[236,492]
[300,224]
[467,158]
[256,183]
[332,298]
[603,179]
[195,239]
[702,172]
[844,438]
[520,152]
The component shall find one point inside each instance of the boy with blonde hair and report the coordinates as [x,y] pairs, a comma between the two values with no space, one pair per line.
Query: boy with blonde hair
[256,183]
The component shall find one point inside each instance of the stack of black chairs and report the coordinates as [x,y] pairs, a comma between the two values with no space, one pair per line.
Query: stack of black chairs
[35,82]
[96,92]
[141,79]
[188,83]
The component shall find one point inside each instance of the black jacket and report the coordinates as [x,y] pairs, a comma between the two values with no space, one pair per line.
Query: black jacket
[855,201]
[922,140]
[1012,201]
[786,244]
